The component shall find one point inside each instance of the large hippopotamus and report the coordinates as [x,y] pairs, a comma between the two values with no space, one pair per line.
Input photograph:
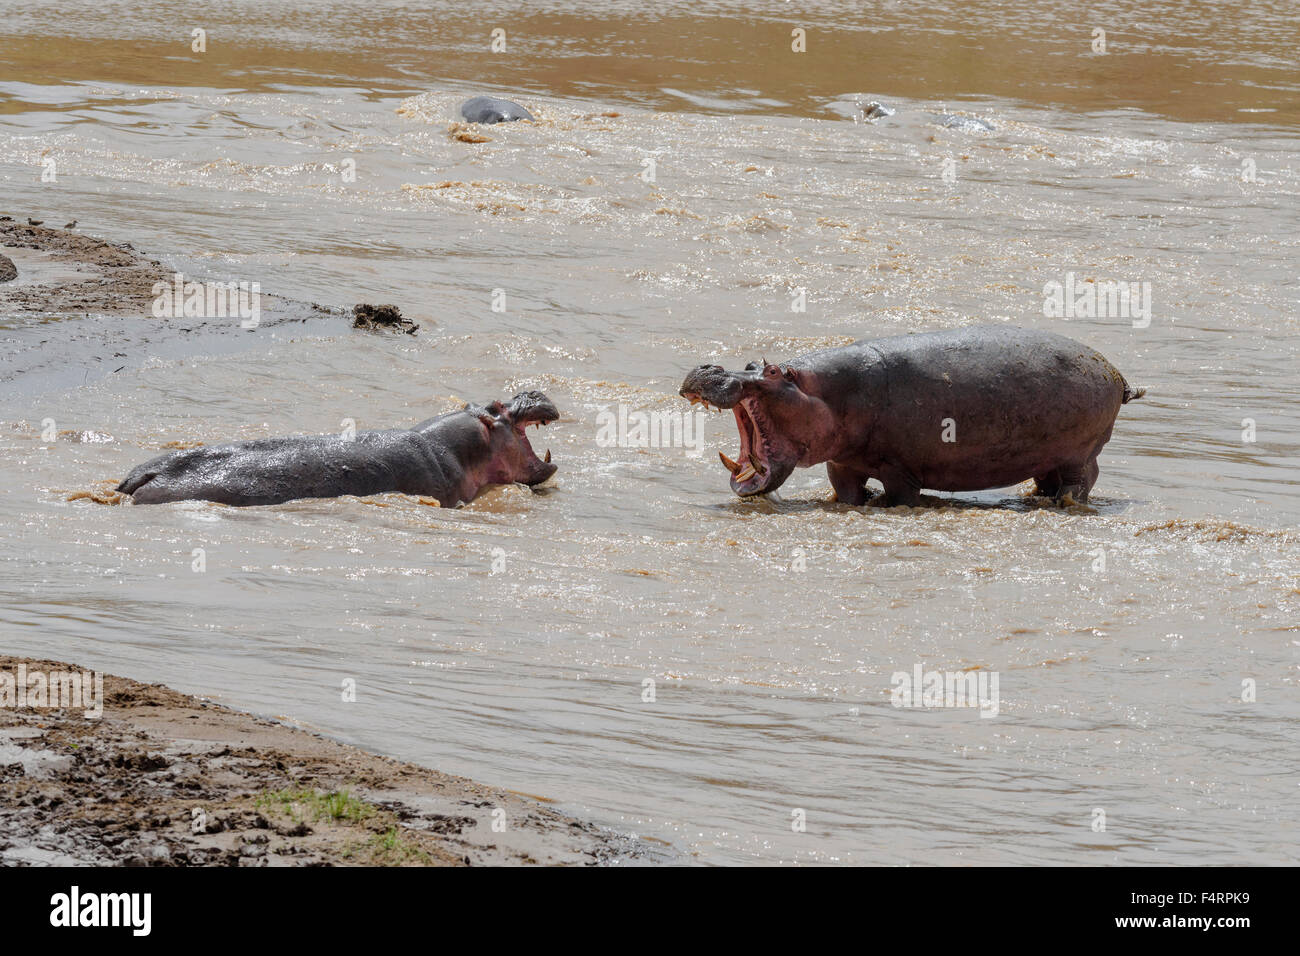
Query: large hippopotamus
[961,410]
[451,458]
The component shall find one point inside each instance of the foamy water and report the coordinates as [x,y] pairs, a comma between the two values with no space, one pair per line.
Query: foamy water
[511,640]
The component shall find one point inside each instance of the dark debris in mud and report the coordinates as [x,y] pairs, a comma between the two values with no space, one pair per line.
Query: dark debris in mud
[381,317]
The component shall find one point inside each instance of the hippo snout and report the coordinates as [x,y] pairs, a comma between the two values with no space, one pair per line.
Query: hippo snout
[712,384]
[532,407]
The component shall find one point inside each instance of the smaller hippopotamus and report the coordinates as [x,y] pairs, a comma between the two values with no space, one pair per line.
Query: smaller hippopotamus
[489,109]
[875,110]
[960,410]
[451,458]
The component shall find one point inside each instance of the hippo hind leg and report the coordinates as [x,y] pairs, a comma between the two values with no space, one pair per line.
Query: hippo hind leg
[150,489]
[146,486]
[136,480]
[1076,482]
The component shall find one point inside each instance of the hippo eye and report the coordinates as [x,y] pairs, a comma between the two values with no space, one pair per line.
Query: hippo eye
[772,371]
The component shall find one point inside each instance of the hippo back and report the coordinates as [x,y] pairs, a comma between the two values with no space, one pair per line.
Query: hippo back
[980,407]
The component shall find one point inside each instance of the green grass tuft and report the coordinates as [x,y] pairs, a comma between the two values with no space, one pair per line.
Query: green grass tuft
[316,806]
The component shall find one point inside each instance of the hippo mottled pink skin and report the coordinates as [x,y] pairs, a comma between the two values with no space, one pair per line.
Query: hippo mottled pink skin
[451,458]
[961,410]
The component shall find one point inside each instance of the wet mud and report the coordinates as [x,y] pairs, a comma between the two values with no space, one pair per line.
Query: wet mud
[382,318]
[166,779]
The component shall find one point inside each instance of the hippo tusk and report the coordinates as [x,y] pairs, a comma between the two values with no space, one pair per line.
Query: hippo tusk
[547,459]
[731,466]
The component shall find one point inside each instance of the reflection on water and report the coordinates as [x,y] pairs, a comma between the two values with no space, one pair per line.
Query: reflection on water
[511,640]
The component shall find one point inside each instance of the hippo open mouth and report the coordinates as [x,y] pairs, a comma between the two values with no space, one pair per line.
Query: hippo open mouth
[751,472]
[542,468]
[763,462]
[532,408]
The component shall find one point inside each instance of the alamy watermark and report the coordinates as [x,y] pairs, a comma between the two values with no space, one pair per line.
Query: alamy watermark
[922,688]
[75,908]
[53,690]
[208,300]
[626,427]
[1092,299]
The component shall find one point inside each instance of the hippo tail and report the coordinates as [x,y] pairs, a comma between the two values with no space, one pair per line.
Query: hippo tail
[1132,394]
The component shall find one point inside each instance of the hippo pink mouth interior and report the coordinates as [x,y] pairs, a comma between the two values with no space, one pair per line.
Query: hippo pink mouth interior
[522,463]
[520,428]
[751,472]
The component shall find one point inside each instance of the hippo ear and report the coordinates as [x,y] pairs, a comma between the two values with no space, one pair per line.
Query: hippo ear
[491,415]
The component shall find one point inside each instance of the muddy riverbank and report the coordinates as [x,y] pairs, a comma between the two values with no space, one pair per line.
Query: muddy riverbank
[61,271]
[131,309]
[166,779]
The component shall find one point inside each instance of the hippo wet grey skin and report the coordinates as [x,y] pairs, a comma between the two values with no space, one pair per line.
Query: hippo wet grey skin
[962,410]
[451,458]
[489,109]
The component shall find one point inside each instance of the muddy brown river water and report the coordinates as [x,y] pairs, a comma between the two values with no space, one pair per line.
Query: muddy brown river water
[693,190]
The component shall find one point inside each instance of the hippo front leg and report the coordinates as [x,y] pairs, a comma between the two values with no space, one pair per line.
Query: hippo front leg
[901,488]
[850,484]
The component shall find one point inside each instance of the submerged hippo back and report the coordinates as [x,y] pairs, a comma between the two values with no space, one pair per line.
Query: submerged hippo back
[489,109]
[273,470]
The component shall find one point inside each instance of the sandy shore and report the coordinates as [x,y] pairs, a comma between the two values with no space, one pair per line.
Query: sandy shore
[166,779]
